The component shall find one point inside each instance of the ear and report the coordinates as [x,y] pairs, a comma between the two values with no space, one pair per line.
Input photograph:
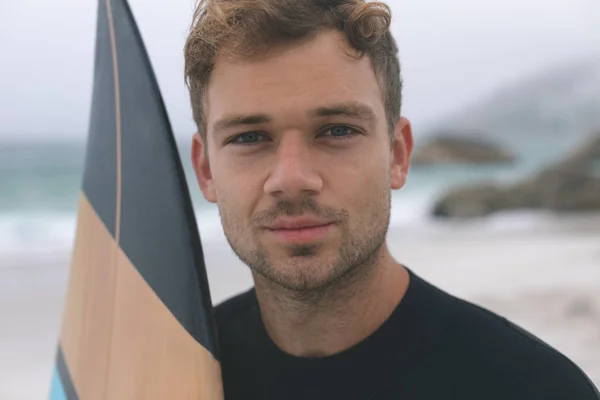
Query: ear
[402,148]
[202,168]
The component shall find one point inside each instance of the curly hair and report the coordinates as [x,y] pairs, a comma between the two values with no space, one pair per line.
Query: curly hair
[249,28]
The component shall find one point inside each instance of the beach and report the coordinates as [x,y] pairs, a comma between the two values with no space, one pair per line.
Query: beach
[544,276]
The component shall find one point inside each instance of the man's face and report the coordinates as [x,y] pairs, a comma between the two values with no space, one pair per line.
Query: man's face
[300,162]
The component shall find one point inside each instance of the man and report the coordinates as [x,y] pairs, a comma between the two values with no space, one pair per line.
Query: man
[300,142]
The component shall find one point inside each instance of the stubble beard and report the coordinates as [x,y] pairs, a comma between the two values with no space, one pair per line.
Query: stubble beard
[312,276]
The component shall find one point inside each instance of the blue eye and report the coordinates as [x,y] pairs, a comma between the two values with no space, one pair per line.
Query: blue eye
[248,138]
[341,132]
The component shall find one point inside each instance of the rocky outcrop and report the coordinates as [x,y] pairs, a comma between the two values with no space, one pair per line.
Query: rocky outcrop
[570,185]
[470,202]
[451,149]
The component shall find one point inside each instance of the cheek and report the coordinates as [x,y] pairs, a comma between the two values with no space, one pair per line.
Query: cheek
[236,196]
[372,186]
[230,214]
[371,195]
[369,174]
[362,190]
[228,201]
[226,183]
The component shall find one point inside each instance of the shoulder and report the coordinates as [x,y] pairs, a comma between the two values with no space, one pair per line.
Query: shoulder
[496,348]
[235,307]
[235,313]
[235,304]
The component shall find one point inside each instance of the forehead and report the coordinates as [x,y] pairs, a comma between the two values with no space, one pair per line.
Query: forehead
[295,78]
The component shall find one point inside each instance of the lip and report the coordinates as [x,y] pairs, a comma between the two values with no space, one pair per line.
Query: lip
[299,230]
[297,223]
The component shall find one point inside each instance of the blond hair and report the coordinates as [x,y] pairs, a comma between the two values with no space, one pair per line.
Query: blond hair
[249,28]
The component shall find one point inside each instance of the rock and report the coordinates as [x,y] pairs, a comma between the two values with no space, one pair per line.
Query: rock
[568,190]
[580,307]
[450,150]
[589,152]
[568,186]
[471,202]
[572,184]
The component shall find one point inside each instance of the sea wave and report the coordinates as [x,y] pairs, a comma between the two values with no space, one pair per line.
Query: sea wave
[55,231]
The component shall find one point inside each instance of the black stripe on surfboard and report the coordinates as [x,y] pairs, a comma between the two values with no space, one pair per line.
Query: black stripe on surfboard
[65,376]
[157,229]
[100,170]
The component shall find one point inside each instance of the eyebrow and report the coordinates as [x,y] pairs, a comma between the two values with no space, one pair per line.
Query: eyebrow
[240,120]
[350,109]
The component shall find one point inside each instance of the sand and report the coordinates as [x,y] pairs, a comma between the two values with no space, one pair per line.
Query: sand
[545,278]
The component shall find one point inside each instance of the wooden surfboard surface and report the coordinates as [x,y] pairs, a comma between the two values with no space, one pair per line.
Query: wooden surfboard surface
[138,320]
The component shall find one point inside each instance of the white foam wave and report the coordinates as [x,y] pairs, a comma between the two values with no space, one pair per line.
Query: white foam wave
[44,232]
[55,232]
[39,231]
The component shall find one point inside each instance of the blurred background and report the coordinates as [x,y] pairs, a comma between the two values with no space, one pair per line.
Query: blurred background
[502,206]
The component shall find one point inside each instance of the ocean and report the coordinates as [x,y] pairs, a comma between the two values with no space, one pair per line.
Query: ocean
[40,186]
[535,270]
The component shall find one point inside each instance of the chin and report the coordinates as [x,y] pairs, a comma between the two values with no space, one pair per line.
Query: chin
[304,271]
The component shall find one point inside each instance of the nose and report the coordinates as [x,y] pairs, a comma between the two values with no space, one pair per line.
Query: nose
[294,171]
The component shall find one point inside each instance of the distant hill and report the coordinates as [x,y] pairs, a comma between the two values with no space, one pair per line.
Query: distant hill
[561,101]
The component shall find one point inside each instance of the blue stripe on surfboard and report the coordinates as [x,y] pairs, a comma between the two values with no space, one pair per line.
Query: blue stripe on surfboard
[56,388]
[62,383]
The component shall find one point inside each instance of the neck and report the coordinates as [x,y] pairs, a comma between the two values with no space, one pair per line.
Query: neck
[323,323]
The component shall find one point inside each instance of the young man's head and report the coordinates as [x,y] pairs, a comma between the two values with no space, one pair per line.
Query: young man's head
[300,138]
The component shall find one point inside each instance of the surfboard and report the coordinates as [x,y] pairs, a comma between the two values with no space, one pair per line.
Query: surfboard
[137,320]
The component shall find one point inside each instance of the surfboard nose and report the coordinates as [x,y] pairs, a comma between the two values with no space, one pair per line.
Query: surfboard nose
[138,320]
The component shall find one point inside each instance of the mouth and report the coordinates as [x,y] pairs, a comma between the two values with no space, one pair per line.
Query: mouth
[299,231]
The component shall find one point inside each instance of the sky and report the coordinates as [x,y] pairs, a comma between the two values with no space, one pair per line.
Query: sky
[452,54]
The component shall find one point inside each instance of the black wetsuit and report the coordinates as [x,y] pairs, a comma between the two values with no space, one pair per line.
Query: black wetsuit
[434,346]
